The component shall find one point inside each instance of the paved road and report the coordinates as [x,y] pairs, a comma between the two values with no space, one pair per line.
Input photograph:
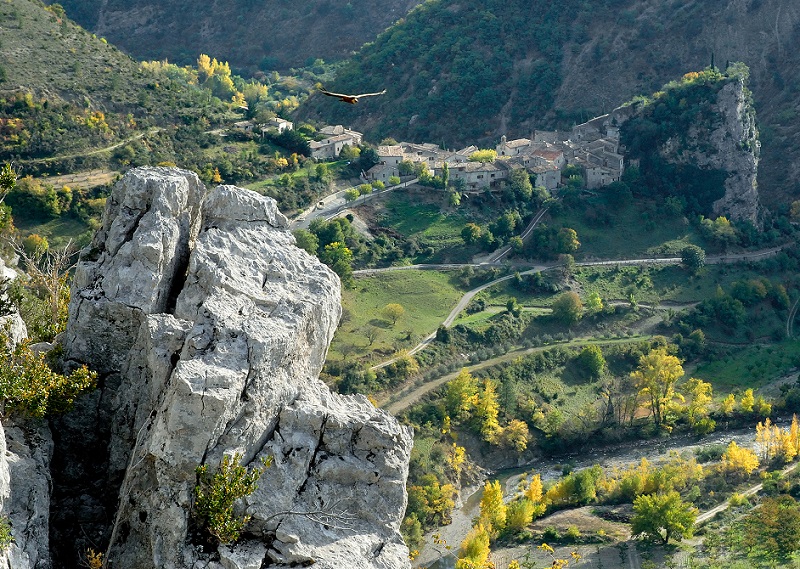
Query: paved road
[503,251]
[462,304]
[790,319]
[335,203]
[414,395]
[468,296]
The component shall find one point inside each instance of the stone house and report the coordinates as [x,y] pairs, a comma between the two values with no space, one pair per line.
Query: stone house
[279,124]
[548,154]
[596,174]
[382,172]
[244,126]
[512,148]
[390,154]
[329,148]
[478,175]
[427,152]
[547,175]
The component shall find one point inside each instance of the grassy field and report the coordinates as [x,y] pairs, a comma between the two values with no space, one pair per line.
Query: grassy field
[657,283]
[59,231]
[427,297]
[634,231]
[751,366]
[423,219]
[648,285]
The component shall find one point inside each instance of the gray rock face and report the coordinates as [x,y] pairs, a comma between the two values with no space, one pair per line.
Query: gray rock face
[25,490]
[220,354]
[731,146]
[26,449]
[738,144]
[13,323]
[132,263]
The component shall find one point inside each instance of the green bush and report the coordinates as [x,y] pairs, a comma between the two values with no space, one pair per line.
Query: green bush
[551,534]
[216,495]
[28,385]
[6,539]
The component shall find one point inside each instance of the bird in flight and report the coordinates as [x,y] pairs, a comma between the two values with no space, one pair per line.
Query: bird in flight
[352,99]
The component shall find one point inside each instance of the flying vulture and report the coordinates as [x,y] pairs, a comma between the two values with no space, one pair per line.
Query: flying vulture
[352,99]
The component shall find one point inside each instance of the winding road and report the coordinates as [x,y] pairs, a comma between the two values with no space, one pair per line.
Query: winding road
[469,295]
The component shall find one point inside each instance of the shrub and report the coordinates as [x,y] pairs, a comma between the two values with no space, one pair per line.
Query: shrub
[216,495]
[6,539]
[551,534]
[28,385]
[573,533]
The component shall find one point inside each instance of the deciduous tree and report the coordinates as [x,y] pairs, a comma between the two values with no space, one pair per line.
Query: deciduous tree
[591,361]
[693,258]
[737,460]
[660,517]
[699,407]
[655,379]
[471,233]
[393,311]
[774,528]
[474,550]
[461,395]
[493,509]
[515,435]
[568,308]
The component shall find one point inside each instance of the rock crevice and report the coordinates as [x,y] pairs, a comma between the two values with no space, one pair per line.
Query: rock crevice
[212,328]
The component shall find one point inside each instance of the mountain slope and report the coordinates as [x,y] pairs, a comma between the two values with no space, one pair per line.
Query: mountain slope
[270,34]
[64,91]
[459,71]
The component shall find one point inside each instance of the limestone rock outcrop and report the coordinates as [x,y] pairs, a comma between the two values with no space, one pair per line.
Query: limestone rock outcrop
[732,146]
[25,453]
[26,448]
[697,140]
[12,324]
[210,328]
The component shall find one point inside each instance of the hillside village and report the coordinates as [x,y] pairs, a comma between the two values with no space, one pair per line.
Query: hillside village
[593,146]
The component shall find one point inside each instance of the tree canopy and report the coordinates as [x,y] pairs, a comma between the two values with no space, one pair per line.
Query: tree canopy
[660,517]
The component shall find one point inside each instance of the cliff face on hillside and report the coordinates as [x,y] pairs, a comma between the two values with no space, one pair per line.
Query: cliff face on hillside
[697,139]
[26,448]
[735,150]
[208,328]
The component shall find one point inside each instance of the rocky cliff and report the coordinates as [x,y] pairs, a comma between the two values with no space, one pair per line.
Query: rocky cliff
[696,139]
[26,449]
[731,146]
[209,328]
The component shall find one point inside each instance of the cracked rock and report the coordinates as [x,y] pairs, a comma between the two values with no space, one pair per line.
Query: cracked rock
[211,328]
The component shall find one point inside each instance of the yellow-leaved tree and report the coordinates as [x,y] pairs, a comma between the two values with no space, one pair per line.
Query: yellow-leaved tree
[474,552]
[487,411]
[655,378]
[697,411]
[737,461]
[461,395]
[493,509]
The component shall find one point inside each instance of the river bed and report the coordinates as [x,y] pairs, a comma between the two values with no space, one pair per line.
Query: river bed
[438,557]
